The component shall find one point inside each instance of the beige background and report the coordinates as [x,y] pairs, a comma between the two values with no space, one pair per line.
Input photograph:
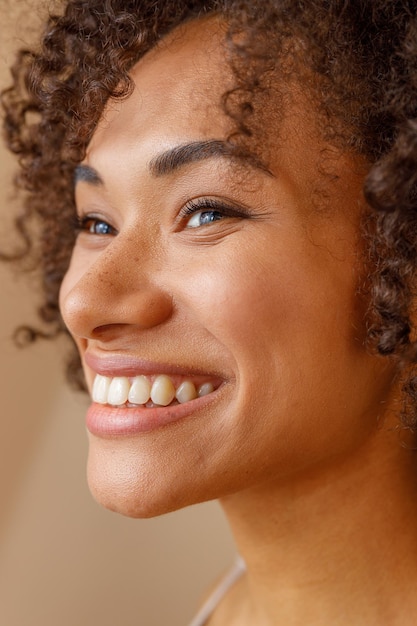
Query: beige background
[64,561]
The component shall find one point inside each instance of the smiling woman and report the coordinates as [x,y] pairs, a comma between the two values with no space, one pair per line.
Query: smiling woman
[239,284]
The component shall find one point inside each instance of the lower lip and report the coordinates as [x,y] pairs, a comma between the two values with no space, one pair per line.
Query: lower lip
[104,420]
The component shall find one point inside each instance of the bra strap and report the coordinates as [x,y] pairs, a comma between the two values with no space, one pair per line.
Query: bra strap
[218,594]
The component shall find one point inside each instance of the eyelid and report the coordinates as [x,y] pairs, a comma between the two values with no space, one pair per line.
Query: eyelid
[228,209]
[81,220]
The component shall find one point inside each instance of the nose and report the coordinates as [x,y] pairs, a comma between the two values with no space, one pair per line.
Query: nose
[114,292]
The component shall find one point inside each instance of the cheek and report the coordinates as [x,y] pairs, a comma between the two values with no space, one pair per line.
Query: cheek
[293,325]
[258,302]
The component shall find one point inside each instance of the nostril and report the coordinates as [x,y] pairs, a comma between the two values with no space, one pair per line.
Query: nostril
[108,331]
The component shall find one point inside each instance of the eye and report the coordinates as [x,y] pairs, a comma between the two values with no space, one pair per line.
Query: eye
[94,226]
[202,218]
[206,211]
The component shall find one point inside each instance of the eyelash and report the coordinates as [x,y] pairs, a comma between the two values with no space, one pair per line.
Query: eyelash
[81,225]
[210,204]
[192,207]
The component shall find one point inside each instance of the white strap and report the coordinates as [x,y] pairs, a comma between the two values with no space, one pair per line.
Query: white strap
[218,594]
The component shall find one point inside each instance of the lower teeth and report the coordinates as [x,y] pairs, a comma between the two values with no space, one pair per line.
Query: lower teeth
[148,405]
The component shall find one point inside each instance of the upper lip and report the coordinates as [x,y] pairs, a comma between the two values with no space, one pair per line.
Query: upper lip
[126,365]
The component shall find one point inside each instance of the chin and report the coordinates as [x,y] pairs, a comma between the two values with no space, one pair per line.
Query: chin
[136,506]
[132,485]
[131,500]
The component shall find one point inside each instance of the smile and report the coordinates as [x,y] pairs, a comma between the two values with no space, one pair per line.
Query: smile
[152,391]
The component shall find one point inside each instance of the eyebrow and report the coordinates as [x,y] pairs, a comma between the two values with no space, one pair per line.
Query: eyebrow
[195,151]
[179,156]
[86,174]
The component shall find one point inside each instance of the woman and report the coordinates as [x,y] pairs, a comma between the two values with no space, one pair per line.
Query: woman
[239,283]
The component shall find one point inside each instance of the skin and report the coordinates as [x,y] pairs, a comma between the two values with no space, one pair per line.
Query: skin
[300,444]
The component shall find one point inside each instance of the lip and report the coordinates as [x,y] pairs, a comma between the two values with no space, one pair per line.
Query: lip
[105,421]
[117,365]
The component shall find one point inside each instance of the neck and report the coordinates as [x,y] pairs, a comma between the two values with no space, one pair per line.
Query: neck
[337,545]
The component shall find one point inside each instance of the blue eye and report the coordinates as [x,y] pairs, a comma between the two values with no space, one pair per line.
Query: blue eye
[94,226]
[202,218]
[206,211]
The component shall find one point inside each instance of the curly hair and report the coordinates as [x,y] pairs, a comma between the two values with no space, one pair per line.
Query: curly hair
[356,58]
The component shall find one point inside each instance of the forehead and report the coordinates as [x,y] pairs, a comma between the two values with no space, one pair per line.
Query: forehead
[177,100]
[178,86]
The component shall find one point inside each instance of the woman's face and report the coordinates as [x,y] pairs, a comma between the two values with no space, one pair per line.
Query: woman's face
[208,269]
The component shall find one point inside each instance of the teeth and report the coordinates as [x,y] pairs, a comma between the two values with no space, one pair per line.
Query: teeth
[163,391]
[186,392]
[205,389]
[140,391]
[118,391]
[100,391]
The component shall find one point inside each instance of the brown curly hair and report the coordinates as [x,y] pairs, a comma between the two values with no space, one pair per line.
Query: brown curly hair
[358,62]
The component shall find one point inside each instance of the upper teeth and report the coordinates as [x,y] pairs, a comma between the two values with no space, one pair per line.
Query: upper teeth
[139,390]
